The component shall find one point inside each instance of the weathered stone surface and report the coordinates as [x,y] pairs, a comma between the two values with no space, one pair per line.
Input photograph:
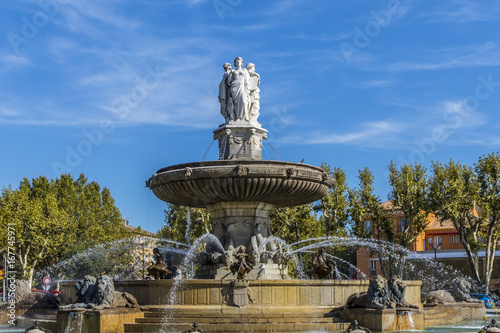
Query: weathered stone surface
[453,313]
[156,292]
[200,184]
[437,297]
[240,141]
[100,321]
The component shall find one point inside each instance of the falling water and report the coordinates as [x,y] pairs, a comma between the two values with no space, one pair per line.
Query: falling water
[67,268]
[188,223]
[196,248]
[275,153]
[75,323]
[404,321]
[208,149]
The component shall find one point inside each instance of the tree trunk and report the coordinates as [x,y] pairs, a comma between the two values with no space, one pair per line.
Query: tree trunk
[473,261]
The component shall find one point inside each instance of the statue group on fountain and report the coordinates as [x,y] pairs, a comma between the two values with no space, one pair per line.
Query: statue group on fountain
[242,267]
[241,258]
[320,267]
[158,270]
[239,92]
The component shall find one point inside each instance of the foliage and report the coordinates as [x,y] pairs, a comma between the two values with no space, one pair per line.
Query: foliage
[409,193]
[470,198]
[370,218]
[293,224]
[488,174]
[176,223]
[454,192]
[334,205]
[50,215]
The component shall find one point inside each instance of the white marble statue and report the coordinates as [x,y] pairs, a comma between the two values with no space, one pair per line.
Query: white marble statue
[225,100]
[238,81]
[239,96]
[254,102]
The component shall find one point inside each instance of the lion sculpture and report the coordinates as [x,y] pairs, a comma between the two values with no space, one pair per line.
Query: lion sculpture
[381,294]
[100,294]
[460,291]
[85,290]
[397,289]
[377,297]
[106,297]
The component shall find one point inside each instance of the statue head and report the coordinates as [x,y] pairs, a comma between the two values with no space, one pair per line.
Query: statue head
[238,62]
[250,67]
[227,67]
[156,251]
[84,285]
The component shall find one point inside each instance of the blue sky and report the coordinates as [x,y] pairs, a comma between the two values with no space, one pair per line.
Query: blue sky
[119,89]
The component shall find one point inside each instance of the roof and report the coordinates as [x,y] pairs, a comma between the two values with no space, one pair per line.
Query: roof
[437,224]
[388,205]
[131,228]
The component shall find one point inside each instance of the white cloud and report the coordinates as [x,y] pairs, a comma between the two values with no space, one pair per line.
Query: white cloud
[463,56]
[462,12]
[369,134]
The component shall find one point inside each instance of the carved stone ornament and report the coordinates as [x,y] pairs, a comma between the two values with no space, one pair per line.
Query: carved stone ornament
[240,293]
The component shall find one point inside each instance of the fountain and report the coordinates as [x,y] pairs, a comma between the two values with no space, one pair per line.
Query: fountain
[241,283]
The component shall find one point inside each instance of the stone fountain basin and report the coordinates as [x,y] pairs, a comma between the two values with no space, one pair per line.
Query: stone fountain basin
[199,184]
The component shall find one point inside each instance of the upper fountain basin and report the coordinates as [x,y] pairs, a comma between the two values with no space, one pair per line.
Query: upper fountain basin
[199,184]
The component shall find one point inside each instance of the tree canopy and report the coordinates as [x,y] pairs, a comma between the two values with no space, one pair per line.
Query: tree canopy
[176,226]
[52,217]
[470,198]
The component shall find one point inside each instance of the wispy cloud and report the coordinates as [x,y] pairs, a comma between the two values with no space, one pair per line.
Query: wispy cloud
[462,12]
[375,83]
[369,134]
[463,56]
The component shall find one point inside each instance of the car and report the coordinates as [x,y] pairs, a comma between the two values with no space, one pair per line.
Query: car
[488,301]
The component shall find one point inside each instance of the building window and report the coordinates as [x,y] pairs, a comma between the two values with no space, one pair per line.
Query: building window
[403,223]
[425,243]
[452,239]
[457,240]
[373,267]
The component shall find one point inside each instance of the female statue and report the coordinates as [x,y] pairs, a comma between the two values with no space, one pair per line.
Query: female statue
[238,81]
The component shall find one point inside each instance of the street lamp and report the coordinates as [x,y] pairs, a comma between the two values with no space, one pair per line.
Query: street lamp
[435,262]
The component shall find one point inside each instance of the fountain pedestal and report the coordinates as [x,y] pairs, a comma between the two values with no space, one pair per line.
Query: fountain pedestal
[240,140]
[385,319]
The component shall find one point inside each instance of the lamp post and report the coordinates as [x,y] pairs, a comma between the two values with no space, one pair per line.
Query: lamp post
[435,263]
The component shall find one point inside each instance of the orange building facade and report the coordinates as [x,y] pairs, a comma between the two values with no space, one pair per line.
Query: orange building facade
[443,236]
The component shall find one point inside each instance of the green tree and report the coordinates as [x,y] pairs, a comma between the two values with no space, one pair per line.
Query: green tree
[334,205]
[487,170]
[176,218]
[293,224]
[49,216]
[369,218]
[454,192]
[409,192]
[39,225]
